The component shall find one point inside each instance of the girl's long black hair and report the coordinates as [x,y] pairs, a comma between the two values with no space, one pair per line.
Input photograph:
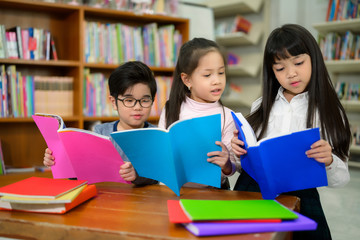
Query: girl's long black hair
[292,40]
[189,56]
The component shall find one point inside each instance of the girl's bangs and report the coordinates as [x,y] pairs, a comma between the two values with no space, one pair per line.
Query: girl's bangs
[286,45]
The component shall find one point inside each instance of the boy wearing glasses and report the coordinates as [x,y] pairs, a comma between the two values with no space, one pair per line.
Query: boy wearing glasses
[132,91]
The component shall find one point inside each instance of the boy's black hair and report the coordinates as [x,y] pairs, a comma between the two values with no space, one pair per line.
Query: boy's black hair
[129,74]
[292,40]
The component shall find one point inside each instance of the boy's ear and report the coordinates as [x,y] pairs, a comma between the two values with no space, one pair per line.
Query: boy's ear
[186,80]
[113,102]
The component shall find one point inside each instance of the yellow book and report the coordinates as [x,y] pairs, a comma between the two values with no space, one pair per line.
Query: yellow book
[66,198]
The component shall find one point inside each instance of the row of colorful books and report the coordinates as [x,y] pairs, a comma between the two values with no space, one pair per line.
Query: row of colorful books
[348,91]
[117,43]
[335,46]
[164,7]
[26,43]
[96,92]
[23,95]
[342,9]
[45,195]
[225,217]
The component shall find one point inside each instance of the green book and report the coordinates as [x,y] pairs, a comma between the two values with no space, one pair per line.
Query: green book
[200,210]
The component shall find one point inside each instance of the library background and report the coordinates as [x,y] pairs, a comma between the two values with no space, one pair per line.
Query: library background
[56,56]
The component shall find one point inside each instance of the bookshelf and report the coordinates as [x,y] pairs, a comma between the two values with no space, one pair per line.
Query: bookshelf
[342,69]
[22,143]
[248,46]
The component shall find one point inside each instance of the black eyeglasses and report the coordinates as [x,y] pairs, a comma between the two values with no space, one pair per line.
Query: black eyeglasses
[130,102]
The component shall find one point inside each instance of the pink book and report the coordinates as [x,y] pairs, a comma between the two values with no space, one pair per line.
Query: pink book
[25,43]
[80,153]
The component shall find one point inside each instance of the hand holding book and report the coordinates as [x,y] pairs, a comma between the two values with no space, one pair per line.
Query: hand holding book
[279,164]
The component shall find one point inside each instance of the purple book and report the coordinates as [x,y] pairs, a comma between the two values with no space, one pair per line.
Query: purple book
[302,223]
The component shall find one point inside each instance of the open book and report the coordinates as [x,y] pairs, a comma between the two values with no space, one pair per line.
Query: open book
[177,155]
[279,164]
[79,153]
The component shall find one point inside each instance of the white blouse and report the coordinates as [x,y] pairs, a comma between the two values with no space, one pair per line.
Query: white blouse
[290,117]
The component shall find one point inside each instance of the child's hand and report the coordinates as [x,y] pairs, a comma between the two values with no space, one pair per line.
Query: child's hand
[321,151]
[221,158]
[127,172]
[49,159]
[236,144]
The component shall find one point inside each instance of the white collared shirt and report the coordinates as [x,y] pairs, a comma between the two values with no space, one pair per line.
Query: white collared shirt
[290,117]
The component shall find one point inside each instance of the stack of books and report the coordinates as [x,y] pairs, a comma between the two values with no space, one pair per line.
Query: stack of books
[45,195]
[225,217]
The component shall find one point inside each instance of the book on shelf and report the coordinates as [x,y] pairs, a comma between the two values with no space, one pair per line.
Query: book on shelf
[241,216]
[241,24]
[270,161]
[23,95]
[3,45]
[11,43]
[162,94]
[19,45]
[25,43]
[347,91]
[59,205]
[47,92]
[79,153]
[23,169]
[96,92]
[339,10]
[40,187]
[335,46]
[2,163]
[155,46]
[177,155]
[53,49]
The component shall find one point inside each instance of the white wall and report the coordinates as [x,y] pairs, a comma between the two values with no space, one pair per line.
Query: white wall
[303,12]
[201,19]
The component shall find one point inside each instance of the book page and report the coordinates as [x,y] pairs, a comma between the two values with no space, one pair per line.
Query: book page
[93,156]
[48,127]
[247,130]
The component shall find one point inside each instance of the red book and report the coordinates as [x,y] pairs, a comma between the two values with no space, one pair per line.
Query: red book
[58,208]
[38,187]
[53,49]
[177,215]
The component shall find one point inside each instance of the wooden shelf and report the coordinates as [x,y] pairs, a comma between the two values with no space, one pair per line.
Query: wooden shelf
[66,23]
[247,95]
[249,66]
[339,26]
[240,38]
[151,119]
[354,149]
[51,63]
[233,7]
[343,66]
[351,105]
[113,66]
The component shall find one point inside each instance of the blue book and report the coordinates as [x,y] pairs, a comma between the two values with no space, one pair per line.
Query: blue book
[177,155]
[279,164]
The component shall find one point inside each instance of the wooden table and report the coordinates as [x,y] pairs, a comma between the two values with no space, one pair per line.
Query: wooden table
[121,211]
